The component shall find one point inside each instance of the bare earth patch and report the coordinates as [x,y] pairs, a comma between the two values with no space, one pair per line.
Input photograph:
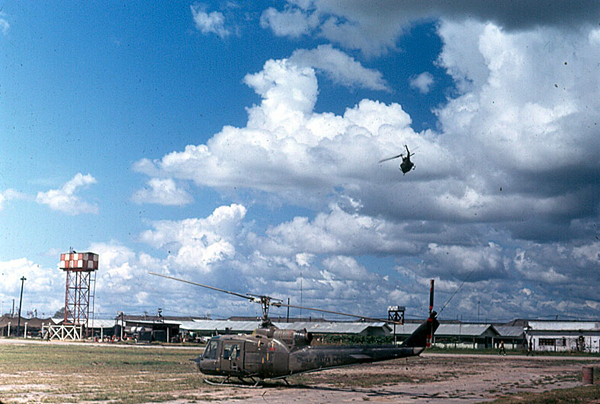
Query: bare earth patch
[435,378]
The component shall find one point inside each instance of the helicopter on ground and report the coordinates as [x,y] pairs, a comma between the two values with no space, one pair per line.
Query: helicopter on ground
[406,164]
[272,353]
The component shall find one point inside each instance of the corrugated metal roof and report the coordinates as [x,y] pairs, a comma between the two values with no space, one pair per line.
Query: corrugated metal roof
[474,330]
[220,325]
[249,326]
[405,329]
[564,325]
[331,328]
[97,323]
[509,330]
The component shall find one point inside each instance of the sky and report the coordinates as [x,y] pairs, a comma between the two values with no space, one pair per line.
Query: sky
[237,144]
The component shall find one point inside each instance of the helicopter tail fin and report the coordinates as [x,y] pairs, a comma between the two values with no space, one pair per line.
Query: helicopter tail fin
[421,337]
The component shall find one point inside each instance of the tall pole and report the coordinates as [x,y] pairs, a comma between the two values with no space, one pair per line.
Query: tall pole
[23,279]
[301,278]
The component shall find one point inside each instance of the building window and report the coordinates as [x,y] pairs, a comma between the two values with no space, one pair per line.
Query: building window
[547,342]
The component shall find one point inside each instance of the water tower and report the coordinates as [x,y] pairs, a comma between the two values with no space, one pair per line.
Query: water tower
[80,269]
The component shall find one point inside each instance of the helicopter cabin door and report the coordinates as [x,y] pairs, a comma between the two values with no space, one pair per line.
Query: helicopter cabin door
[254,356]
[232,358]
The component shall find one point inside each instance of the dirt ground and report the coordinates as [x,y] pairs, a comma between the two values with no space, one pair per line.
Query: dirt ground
[431,378]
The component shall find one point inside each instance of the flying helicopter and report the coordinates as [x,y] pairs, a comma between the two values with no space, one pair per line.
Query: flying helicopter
[406,164]
[272,353]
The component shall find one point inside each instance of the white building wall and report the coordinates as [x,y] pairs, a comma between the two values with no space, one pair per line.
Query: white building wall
[565,343]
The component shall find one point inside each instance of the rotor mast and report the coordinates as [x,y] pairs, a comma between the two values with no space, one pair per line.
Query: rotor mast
[265,304]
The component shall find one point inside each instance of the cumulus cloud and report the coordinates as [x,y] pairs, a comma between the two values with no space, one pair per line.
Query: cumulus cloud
[466,262]
[65,199]
[339,67]
[375,29]
[336,232]
[209,23]
[162,192]
[9,195]
[423,82]
[302,154]
[290,22]
[483,168]
[505,190]
[345,268]
[198,243]
[531,137]
[41,289]
[214,250]
[122,279]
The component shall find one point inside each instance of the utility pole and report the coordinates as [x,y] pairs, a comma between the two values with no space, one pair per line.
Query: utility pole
[301,279]
[122,323]
[23,279]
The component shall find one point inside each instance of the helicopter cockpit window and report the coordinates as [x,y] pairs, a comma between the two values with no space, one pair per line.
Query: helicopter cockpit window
[211,350]
[231,351]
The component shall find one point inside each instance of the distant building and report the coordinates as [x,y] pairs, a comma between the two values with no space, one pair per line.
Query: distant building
[541,335]
[563,336]
[512,336]
[32,327]
[458,335]
[151,328]
[214,327]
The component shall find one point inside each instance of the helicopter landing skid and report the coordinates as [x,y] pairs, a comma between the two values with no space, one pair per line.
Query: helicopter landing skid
[228,382]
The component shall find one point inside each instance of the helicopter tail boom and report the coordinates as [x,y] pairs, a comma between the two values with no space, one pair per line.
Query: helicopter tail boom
[314,358]
[423,335]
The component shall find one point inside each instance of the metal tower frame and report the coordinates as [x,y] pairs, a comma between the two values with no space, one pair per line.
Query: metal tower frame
[80,287]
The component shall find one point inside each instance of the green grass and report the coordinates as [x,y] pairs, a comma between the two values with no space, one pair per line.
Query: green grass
[75,373]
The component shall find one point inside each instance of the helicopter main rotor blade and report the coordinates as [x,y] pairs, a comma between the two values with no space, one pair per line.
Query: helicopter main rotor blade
[379,320]
[276,303]
[391,158]
[204,286]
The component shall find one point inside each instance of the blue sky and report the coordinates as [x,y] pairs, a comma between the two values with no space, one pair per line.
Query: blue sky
[237,145]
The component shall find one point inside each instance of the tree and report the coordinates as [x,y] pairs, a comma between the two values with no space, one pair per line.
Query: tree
[60,313]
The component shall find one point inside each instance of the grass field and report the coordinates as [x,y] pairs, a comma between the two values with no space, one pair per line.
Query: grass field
[78,373]
[82,373]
